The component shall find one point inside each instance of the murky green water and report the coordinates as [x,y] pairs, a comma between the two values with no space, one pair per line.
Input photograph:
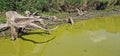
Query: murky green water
[94,37]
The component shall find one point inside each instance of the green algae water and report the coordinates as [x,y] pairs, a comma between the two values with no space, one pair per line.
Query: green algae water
[93,37]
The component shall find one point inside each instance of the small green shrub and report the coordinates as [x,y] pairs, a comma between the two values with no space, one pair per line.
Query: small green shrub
[40,5]
[2,20]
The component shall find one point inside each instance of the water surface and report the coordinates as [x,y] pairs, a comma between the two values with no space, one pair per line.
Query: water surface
[93,37]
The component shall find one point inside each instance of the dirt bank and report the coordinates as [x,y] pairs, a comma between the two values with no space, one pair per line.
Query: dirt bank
[64,17]
[93,14]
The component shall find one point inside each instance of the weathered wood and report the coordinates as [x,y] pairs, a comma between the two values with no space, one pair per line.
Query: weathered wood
[70,20]
[3,26]
[79,12]
[17,23]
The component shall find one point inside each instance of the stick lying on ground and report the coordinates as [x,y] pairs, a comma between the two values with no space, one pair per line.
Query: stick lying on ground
[70,20]
[80,12]
[17,23]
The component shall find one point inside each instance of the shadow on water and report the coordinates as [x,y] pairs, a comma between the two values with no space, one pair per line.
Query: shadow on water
[36,42]
[32,33]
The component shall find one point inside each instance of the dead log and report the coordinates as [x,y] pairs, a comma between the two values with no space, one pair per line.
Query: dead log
[3,27]
[18,23]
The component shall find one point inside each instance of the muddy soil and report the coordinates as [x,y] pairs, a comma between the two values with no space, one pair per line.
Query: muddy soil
[88,15]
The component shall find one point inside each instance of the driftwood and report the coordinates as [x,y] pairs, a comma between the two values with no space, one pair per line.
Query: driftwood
[80,11]
[18,23]
[29,14]
[70,20]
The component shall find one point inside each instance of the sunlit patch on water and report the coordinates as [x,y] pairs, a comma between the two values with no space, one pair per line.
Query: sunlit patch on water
[101,35]
[97,36]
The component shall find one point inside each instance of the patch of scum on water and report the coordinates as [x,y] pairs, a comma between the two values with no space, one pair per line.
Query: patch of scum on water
[93,37]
